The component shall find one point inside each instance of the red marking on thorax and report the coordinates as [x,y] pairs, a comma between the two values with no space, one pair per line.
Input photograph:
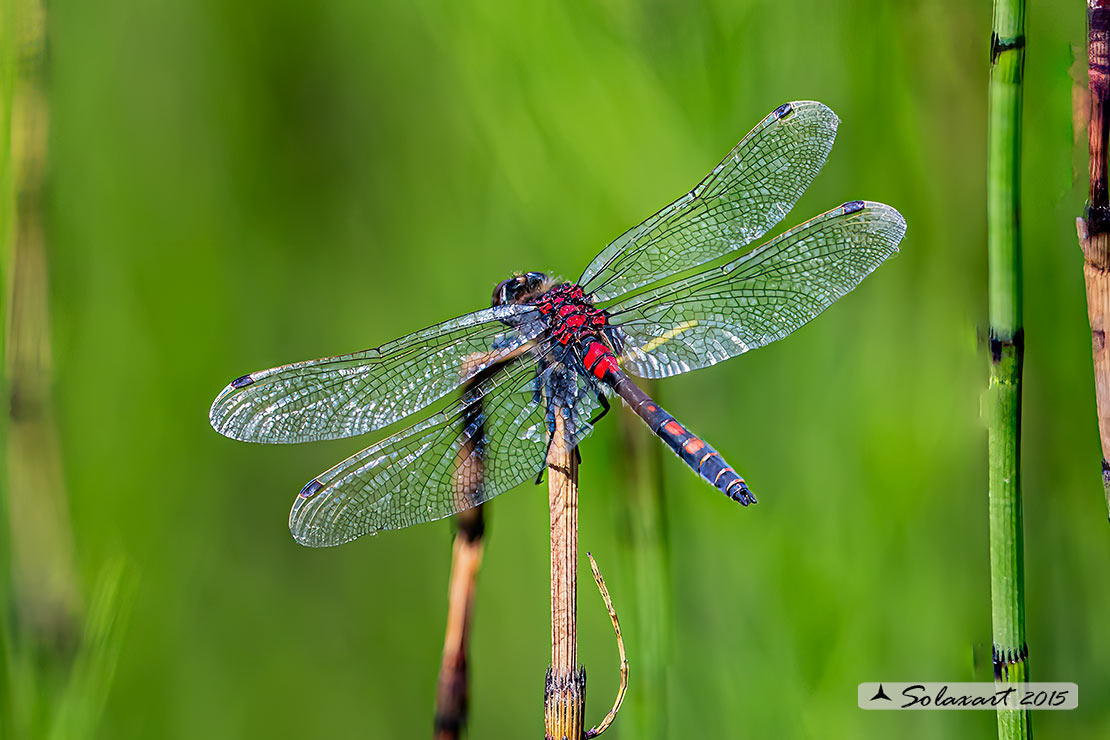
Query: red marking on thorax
[599,360]
[607,364]
[595,352]
[573,318]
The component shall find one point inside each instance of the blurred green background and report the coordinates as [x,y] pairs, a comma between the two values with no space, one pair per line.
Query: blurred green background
[236,185]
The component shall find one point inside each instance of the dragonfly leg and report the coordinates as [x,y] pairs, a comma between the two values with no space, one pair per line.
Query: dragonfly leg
[604,402]
[550,439]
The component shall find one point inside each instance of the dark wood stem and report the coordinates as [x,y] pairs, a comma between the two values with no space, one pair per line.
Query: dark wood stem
[452,692]
[1094,227]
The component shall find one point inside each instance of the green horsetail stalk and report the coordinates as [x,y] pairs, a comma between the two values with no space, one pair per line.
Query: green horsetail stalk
[1010,654]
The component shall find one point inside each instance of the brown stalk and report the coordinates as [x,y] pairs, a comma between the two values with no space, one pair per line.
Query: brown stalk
[452,694]
[1094,227]
[452,690]
[565,695]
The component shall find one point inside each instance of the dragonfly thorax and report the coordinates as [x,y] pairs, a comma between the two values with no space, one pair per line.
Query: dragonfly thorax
[572,315]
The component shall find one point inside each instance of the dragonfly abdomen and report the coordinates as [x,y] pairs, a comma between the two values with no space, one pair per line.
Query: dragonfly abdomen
[692,449]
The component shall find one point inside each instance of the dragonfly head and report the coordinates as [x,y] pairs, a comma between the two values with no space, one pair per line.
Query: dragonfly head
[525,288]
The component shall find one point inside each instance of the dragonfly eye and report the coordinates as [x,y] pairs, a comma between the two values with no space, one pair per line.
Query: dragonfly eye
[508,291]
[520,288]
[500,296]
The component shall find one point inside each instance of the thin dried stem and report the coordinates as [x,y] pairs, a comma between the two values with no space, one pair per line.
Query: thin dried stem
[452,694]
[452,691]
[1094,227]
[623,687]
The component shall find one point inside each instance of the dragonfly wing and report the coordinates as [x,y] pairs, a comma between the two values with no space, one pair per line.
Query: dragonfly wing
[745,195]
[758,298]
[491,440]
[351,394]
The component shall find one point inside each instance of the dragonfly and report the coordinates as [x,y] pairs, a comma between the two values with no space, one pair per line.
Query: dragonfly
[488,389]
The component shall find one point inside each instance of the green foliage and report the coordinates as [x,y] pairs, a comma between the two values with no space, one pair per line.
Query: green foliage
[241,184]
[56,693]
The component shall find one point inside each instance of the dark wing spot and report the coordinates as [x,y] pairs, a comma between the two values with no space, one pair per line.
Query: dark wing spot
[242,382]
[852,206]
[311,488]
[784,110]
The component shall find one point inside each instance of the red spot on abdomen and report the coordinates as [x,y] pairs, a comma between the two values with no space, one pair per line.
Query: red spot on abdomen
[693,446]
[674,428]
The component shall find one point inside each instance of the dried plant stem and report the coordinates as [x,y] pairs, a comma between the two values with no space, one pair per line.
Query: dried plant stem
[622,687]
[565,695]
[452,694]
[1094,227]
[1006,343]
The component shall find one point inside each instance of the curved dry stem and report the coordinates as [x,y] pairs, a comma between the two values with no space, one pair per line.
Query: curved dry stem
[620,649]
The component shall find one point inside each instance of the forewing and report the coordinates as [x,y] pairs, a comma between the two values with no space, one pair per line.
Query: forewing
[745,195]
[758,298]
[490,441]
[346,395]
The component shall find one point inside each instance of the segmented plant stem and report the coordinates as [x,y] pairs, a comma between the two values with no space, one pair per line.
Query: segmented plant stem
[565,695]
[1094,227]
[452,690]
[1006,346]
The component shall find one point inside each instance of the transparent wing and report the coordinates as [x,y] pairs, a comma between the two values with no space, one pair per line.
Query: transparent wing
[351,394]
[744,196]
[762,296]
[493,439]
